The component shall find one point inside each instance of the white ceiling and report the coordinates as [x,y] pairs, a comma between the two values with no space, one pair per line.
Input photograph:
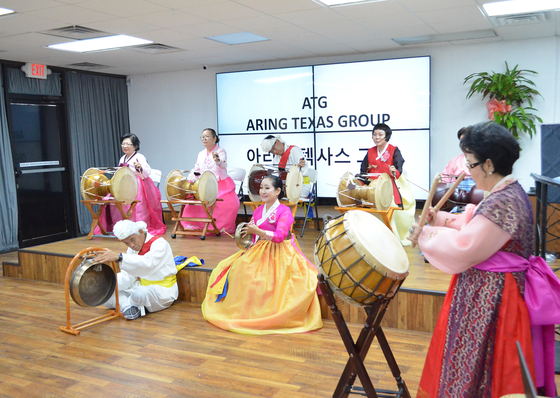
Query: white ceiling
[296,29]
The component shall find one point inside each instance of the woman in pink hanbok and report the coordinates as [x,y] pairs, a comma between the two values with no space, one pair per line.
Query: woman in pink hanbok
[499,293]
[148,209]
[270,288]
[214,158]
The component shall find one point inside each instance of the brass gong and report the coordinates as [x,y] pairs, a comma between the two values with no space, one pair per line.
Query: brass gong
[92,283]
[243,242]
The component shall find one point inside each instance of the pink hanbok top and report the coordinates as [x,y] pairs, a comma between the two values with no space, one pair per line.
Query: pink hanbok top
[277,223]
[136,157]
[494,239]
[455,167]
[205,162]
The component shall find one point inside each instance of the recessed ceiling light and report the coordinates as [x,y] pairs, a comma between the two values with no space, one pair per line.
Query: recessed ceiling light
[5,11]
[100,44]
[519,7]
[338,3]
[238,38]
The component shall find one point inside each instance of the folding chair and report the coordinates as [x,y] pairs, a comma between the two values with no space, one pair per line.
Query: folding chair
[312,199]
[155,175]
[238,176]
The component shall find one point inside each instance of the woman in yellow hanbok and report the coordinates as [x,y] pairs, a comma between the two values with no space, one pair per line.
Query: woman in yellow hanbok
[271,287]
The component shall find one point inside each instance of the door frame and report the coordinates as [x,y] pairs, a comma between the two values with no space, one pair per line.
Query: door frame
[65,155]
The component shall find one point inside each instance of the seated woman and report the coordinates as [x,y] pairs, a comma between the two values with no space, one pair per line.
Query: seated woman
[499,293]
[386,158]
[214,158]
[149,207]
[270,288]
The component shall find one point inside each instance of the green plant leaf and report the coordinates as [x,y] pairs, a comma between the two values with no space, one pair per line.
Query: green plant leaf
[515,89]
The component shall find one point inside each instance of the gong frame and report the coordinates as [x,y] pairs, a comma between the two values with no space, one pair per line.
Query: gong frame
[111,314]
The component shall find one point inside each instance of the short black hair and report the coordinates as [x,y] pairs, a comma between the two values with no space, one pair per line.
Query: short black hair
[494,142]
[385,128]
[135,141]
[462,131]
[214,134]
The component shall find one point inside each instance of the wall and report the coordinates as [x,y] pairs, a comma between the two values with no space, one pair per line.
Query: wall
[169,110]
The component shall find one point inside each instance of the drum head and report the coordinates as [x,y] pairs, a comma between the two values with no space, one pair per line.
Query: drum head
[88,184]
[207,188]
[124,185]
[376,243]
[360,258]
[294,184]
[383,192]
[92,284]
[254,180]
[342,193]
[173,185]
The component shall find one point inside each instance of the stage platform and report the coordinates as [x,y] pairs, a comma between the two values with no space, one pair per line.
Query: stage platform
[416,306]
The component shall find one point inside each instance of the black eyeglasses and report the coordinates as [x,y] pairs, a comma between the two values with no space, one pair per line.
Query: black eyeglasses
[472,166]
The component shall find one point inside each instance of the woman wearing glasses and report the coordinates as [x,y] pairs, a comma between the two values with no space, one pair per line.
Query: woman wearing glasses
[490,303]
[214,158]
[386,158]
[148,209]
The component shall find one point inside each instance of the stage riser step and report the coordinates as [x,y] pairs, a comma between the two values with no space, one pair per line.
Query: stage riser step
[409,310]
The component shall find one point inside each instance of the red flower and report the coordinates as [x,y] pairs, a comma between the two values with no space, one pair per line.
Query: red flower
[497,106]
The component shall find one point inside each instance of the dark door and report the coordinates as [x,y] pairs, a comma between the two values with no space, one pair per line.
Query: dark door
[40,162]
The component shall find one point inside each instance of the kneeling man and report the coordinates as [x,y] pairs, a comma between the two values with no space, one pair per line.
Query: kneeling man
[147,280]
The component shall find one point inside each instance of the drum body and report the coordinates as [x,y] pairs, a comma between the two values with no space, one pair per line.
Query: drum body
[204,188]
[360,258]
[120,182]
[459,197]
[242,242]
[353,192]
[92,283]
[292,181]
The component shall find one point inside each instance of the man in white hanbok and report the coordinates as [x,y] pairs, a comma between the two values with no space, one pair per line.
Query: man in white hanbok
[286,156]
[148,277]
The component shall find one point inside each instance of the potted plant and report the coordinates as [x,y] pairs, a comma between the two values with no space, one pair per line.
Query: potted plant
[507,92]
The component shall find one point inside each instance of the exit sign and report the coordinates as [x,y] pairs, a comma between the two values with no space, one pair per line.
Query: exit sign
[36,71]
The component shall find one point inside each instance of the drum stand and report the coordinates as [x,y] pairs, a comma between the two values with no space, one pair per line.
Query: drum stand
[386,215]
[180,230]
[102,204]
[111,314]
[358,351]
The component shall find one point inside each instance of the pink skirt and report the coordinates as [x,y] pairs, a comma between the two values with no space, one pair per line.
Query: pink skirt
[148,210]
[225,212]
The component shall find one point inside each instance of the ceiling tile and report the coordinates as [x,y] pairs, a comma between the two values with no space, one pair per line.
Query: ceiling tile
[431,5]
[72,15]
[124,8]
[223,11]
[169,19]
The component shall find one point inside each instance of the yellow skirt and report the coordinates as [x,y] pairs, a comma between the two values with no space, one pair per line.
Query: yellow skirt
[271,289]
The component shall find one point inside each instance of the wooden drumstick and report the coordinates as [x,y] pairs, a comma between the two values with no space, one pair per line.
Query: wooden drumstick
[450,191]
[139,169]
[433,189]
[226,232]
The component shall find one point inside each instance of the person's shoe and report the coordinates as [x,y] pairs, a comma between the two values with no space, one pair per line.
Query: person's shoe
[131,313]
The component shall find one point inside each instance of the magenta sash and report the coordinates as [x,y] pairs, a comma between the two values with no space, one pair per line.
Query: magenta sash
[542,297]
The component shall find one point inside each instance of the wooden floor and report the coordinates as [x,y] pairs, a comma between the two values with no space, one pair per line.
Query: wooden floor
[173,353]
